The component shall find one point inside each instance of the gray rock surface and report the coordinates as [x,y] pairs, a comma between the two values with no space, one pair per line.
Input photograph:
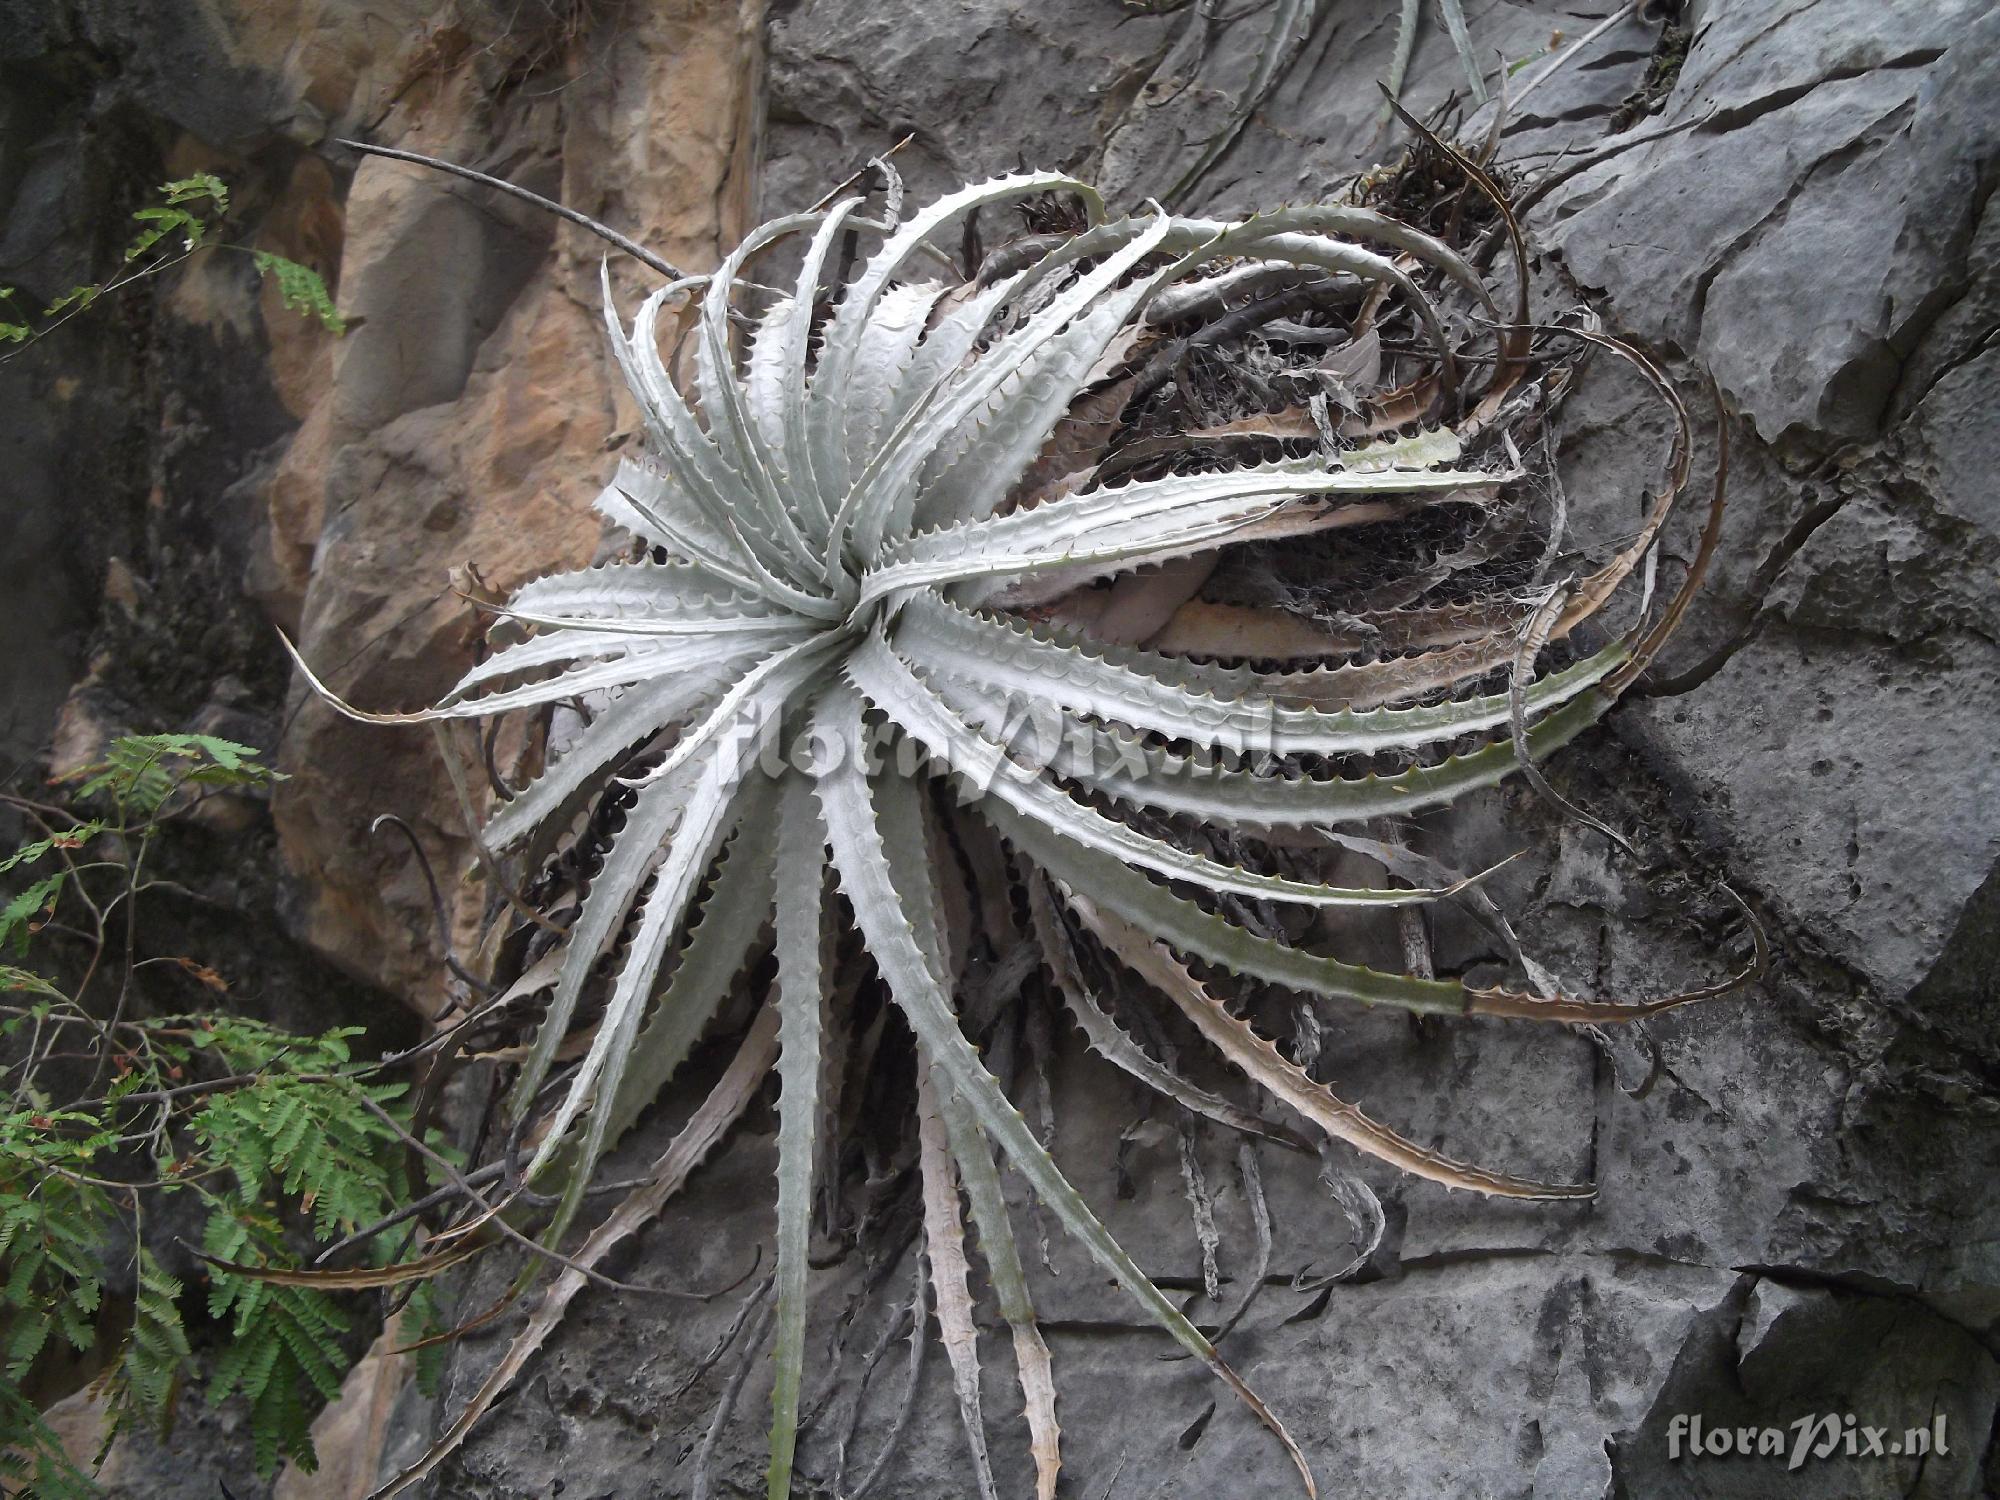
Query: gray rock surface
[1797,1211]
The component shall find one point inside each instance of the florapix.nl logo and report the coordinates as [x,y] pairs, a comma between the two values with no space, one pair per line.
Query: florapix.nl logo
[1815,1436]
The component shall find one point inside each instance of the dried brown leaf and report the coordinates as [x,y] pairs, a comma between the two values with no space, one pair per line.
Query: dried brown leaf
[1262,1061]
[944,1235]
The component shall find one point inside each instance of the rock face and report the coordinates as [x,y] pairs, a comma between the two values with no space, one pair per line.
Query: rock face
[1796,1212]
[342,483]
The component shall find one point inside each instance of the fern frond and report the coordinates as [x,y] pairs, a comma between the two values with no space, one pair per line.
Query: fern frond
[302,289]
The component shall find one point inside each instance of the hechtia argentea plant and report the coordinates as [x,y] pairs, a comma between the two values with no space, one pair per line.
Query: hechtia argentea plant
[899,527]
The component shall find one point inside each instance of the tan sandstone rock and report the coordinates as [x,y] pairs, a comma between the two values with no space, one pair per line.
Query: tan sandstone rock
[468,417]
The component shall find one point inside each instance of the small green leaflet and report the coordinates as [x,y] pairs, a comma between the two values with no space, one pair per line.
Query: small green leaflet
[301,289]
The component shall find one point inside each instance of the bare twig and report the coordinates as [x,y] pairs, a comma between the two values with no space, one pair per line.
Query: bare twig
[892,1444]
[1535,634]
[707,1362]
[1260,1218]
[1560,172]
[438,914]
[890,1330]
[603,231]
[866,167]
[1562,59]
[494,1214]
[488,862]
[1815,516]
[746,1361]
[494,1171]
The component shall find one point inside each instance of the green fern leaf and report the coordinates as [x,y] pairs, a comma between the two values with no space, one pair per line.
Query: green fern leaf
[301,289]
